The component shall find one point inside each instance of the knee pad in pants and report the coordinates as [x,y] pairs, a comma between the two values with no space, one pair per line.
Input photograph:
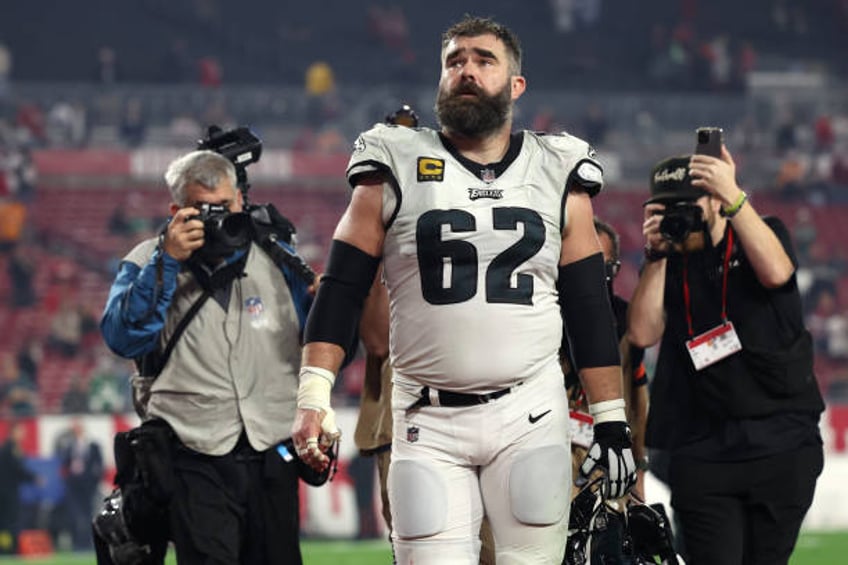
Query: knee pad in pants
[539,485]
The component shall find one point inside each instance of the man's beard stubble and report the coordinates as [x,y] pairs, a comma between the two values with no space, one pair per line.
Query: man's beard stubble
[473,117]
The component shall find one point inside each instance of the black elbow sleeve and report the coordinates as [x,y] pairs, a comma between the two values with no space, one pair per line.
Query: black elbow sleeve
[586,309]
[334,316]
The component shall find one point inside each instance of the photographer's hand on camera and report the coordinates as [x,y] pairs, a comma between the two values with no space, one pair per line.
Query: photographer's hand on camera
[184,234]
[656,246]
[716,176]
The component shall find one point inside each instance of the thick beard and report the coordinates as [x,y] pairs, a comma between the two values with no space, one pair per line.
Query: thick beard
[473,117]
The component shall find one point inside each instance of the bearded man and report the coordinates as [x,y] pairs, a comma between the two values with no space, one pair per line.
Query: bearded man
[487,242]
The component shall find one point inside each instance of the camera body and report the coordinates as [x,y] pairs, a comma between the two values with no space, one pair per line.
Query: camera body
[240,145]
[681,219]
[223,231]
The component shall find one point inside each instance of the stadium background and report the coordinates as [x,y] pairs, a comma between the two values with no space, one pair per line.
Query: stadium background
[96,97]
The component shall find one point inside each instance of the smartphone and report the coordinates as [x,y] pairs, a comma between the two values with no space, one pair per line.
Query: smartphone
[709,141]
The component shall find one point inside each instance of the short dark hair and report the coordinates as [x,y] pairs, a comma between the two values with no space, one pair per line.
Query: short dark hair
[603,227]
[472,26]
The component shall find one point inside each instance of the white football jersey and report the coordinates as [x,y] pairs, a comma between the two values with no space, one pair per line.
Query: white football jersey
[471,254]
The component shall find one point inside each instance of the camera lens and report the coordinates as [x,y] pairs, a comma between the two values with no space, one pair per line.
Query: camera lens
[674,228]
[703,136]
[680,220]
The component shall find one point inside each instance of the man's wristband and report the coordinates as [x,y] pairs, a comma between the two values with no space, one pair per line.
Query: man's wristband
[734,209]
[652,255]
[608,411]
[316,383]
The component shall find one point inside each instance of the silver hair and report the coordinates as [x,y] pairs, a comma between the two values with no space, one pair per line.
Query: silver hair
[203,167]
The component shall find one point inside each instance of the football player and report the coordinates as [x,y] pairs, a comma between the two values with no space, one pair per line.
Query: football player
[487,240]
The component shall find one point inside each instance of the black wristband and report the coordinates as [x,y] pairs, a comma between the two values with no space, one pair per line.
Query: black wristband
[652,255]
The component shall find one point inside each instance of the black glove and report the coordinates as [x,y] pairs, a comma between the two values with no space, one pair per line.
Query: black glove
[611,451]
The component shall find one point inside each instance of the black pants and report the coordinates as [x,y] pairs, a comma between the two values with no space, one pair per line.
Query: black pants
[240,508]
[746,512]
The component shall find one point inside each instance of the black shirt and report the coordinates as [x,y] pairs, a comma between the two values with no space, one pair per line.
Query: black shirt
[682,416]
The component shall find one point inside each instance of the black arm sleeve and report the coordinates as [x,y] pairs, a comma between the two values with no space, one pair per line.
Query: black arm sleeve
[587,312]
[334,316]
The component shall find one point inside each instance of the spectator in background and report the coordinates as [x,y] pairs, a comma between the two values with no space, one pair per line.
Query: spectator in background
[133,128]
[824,135]
[209,72]
[30,123]
[805,233]
[18,396]
[21,271]
[595,124]
[5,71]
[745,61]
[786,134]
[75,399]
[107,66]
[67,124]
[390,26]
[81,467]
[322,101]
[65,334]
[130,219]
[792,176]
[21,174]
[13,474]
[108,388]
[29,358]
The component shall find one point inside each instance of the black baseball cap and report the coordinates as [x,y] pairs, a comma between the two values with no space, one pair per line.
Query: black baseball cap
[670,181]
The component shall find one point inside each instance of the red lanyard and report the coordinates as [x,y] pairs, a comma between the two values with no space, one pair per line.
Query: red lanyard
[687,297]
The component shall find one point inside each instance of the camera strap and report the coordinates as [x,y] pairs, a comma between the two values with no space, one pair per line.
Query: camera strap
[687,298]
[151,364]
[721,341]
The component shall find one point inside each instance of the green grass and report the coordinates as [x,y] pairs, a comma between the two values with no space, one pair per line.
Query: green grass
[821,548]
[315,552]
[814,548]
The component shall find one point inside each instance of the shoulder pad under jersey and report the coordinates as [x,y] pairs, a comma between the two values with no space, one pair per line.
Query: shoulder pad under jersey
[586,173]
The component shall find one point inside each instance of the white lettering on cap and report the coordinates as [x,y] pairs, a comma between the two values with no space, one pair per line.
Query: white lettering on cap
[677,174]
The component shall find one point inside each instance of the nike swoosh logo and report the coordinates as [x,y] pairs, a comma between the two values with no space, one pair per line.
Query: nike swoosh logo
[533,419]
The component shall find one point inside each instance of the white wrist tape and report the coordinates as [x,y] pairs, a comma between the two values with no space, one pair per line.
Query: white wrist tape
[608,411]
[314,394]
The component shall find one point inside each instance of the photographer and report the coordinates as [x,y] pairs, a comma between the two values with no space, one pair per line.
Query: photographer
[734,398]
[224,394]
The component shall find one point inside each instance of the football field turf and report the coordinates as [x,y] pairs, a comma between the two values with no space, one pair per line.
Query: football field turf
[814,548]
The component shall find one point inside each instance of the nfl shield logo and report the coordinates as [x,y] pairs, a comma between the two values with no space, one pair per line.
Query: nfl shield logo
[488,175]
[254,306]
[412,434]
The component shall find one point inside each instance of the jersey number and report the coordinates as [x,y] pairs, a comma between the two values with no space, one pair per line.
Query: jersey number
[434,253]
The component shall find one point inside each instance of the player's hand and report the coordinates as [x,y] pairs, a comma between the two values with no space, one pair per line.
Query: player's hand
[612,452]
[184,234]
[314,432]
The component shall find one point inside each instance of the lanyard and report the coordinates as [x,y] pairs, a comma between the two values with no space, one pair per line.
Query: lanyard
[687,297]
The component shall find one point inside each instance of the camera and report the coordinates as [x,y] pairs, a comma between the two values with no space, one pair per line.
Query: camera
[223,231]
[680,219]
